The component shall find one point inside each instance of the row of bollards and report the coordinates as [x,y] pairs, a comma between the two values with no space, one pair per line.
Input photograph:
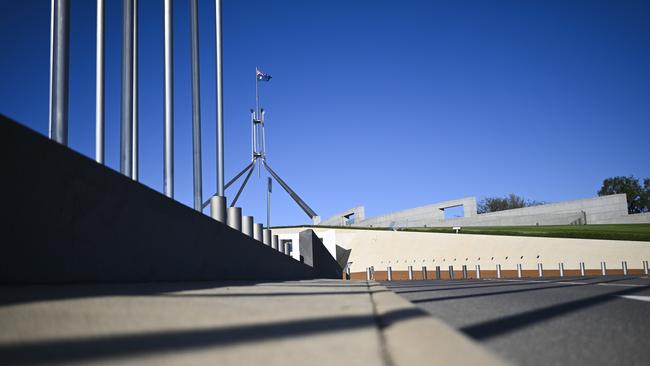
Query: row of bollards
[540,271]
[232,216]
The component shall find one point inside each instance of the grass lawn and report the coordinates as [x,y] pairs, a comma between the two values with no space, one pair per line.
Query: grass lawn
[640,232]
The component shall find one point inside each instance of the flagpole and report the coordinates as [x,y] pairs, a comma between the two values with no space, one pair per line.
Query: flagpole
[257,96]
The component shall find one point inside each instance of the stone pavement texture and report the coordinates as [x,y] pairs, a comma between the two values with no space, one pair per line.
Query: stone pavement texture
[319,322]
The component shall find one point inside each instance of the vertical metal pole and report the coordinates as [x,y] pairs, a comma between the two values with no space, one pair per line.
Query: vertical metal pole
[268,203]
[582,269]
[464,272]
[134,134]
[126,139]
[267,236]
[478,271]
[252,135]
[168,180]
[645,268]
[389,273]
[368,275]
[99,84]
[561,269]
[540,270]
[258,232]
[603,269]
[196,105]
[498,271]
[519,270]
[437,272]
[59,61]
[624,264]
[247,225]
[410,273]
[274,242]
[424,272]
[234,218]
[219,57]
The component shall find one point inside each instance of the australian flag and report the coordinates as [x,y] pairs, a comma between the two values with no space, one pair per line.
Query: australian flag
[261,75]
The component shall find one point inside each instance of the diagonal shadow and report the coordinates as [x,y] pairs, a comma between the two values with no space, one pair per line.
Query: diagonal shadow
[267,294]
[86,349]
[502,284]
[511,323]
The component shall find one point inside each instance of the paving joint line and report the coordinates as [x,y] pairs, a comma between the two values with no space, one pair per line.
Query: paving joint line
[385,354]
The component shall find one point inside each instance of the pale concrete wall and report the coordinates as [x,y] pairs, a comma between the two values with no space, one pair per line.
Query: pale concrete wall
[640,218]
[339,219]
[400,249]
[433,212]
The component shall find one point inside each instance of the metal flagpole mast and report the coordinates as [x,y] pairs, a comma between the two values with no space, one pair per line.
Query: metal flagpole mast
[268,203]
[196,105]
[59,47]
[134,134]
[219,46]
[99,85]
[168,180]
[126,140]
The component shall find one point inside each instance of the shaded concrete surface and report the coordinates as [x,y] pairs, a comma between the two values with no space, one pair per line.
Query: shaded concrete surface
[318,322]
[549,321]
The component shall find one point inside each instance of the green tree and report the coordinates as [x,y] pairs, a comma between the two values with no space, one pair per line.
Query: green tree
[637,196]
[494,204]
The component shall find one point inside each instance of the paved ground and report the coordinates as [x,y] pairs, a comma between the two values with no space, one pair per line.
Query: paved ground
[550,321]
[321,322]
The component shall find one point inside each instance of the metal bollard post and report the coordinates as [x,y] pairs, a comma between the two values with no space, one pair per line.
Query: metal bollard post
[540,270]
[645,268]
[267,236]
[218,208]
[274,243]
[424,272]
[624,264]
[478,271]
[372,272]
[603,269]
[464,271]
[451,272]
[234,218]
[368,274]
[389,272]
[498,271]
[582,269]
[258,232]
[561,269]
[519,270]
[247,225]
[437,272]
[410,273]
[348,272]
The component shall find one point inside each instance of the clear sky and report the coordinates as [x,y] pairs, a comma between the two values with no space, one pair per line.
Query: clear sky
[387,104]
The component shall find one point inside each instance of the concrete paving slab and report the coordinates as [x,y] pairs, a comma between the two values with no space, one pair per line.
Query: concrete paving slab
[320,322]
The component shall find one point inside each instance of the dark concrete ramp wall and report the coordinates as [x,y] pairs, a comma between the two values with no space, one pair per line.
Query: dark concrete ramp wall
[314,254]
[65,218]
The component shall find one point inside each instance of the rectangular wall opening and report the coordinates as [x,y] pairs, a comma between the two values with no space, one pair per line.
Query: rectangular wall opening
[454,212]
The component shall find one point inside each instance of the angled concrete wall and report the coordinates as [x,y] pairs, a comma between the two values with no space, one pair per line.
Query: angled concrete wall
[65,218]
[428,213]
[340,219]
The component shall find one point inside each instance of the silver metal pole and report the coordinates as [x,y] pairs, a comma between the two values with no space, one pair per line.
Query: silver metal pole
[134,135]
[196,106]
[274,243]
[368,275]
[59,61]
[645,268]
[247,225]
[561,269]
[241,189]
[219,57]
[603,268]
[478,271]
[424,272]
[234,218]
[99,84]
[624,264]
[582,269]
[168,180]
[410,273]
[451,272]
[464,272]
[389,273]
[498,271]
[252,135]
[126,139]
[268,203]
[437,272]
[540,270]
[519,270]
[311,213]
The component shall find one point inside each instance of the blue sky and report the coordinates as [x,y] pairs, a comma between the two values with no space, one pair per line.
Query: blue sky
[378,103]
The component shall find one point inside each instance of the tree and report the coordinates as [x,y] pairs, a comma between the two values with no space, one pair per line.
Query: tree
[637,197]
[494,204]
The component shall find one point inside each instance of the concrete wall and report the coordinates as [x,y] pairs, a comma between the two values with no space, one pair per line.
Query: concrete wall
[400,249]
[640,218]
[339,219]
[417,215]
[65,218]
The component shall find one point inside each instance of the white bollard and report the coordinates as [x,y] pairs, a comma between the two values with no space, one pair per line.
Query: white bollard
[437,272]
[267,236]
[603,268]
[258,232]
[451,272]
[410,273]
[478,271]
[519,270]
[498,271]
[540,270]
[561,269]
[274,243]
[234,218]
[368,275]
[247,225]
[645,268]
[389,272]
[624,264]
[464,272]
[582,269]
[218,208]
[424,272]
